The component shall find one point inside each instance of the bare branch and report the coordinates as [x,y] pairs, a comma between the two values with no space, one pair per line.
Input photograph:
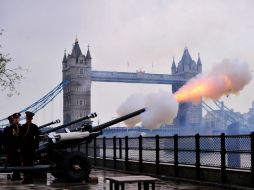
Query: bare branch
[9,77]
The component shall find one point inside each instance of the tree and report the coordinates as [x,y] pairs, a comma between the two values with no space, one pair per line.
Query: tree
[9,77]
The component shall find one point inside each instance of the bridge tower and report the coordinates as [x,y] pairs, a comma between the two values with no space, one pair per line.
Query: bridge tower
[189,114]
[76,68]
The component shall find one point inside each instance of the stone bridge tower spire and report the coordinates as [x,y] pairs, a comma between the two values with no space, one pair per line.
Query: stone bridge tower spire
[76,67]
[189,114]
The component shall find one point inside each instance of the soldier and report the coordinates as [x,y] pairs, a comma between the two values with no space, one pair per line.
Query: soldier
[11,121]
[30,142]
[2,139]
[10,118]
[12,143]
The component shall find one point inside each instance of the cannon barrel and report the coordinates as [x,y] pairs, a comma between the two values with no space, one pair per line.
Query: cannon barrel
[92,115]
[50,123]
[117,120]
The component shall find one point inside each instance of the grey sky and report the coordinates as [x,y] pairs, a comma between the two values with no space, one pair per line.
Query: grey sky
[141,32]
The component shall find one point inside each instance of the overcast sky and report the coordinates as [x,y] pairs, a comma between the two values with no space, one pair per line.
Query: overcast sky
[140,33]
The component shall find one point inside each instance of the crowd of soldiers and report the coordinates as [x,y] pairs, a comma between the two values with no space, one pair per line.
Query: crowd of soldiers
[20,143]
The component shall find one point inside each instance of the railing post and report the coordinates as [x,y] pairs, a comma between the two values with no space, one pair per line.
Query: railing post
[94,151]
[157,142]
[223,158]
[176,154]
[126,153]
[104,151]
[114,151]
[197,144]
[252,159]
[120,148]
[140,154]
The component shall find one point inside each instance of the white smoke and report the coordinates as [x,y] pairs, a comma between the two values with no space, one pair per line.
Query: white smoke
[161,108]
[133,103]
[237,71]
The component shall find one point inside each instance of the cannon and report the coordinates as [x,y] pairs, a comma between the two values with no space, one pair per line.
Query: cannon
[48,124]
[66,165]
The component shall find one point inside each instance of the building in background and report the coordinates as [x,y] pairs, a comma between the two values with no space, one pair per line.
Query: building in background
[77,95]
[189,114]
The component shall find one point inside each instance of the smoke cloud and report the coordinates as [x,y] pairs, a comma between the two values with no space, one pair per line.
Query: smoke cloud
[133,103]
[161,108]
[228,77]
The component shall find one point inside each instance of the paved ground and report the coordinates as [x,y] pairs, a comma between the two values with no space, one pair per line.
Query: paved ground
[48,183]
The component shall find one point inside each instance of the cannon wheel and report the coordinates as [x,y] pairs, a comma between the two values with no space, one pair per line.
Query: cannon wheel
[74,167]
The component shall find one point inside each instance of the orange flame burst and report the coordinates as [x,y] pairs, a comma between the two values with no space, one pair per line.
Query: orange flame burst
[205,87]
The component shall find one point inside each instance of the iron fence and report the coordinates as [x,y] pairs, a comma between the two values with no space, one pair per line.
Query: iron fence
[222,152]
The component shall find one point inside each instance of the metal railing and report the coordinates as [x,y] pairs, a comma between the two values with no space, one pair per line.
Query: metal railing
[223,152]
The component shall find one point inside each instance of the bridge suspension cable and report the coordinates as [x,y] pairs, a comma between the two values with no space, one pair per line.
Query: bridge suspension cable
[232,114]
[41,103]
[226,114]
[218,116]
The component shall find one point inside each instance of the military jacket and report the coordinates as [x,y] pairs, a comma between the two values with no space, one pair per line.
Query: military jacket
[11,136]
[29,133]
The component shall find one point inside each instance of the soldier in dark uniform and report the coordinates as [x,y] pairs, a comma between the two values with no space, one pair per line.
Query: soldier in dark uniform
[2,140]
[12,142]
[11,121]
[30,142]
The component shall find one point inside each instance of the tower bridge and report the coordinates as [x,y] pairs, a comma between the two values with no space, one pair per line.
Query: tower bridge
[138,77]
[77,68]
